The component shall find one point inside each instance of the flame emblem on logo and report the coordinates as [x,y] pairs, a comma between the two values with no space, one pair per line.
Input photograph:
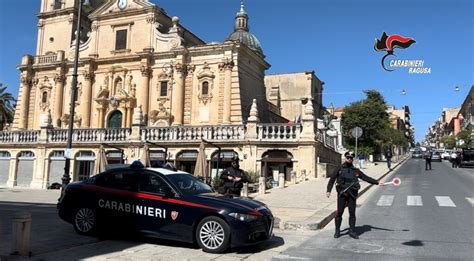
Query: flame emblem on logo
[389,43]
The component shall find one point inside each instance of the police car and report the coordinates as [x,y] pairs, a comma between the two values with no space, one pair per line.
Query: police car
[164,203]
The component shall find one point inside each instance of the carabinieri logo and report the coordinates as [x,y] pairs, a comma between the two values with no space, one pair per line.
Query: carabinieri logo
[389,43]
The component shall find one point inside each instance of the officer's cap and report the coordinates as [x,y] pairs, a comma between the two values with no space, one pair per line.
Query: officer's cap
[235,158]
[349,154]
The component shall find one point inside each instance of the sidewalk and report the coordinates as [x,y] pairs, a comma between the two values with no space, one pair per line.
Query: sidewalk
[304,206]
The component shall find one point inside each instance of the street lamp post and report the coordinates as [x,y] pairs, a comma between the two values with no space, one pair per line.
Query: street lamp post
[66,177]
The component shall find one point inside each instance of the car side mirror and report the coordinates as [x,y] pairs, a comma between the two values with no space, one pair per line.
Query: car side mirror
[165,191]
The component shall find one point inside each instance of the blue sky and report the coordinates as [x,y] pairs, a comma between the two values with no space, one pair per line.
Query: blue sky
[335,38]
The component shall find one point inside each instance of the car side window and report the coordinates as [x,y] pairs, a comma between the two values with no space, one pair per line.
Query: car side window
[151,183]
[119,179]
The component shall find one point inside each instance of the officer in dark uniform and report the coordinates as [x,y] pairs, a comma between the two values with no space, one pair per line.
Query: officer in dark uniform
[233,178]
[347,185]
[428,156]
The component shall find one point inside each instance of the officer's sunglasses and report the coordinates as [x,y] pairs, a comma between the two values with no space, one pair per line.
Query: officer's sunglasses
[349,158]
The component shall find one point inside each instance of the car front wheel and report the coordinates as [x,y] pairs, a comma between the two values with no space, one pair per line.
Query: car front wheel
[213,235]
[85,221]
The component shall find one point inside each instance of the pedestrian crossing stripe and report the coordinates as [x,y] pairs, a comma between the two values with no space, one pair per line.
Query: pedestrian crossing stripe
[414,201]
[471,200]
[385,200]
[445,201]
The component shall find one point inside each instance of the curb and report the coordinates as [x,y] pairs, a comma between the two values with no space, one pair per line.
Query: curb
[325,215]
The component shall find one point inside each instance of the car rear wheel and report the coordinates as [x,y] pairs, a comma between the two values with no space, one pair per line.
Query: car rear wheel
[85,221]
[213,235]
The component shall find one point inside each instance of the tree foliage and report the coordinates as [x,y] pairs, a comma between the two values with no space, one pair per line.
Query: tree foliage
[6,106]
[465,135]
[449,141]
[370,114]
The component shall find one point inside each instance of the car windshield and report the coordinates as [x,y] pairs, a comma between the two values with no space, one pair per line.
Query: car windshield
[189,185]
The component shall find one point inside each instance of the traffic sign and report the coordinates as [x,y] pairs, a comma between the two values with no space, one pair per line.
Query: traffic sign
[356,132]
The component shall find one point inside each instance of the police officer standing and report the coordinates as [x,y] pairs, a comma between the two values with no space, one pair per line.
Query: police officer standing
[428,157]
[347,187]
[233,178]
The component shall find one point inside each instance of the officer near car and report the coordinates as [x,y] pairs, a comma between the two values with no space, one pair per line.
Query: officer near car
[233,178]
[347,178]
[428,156]
[454,159]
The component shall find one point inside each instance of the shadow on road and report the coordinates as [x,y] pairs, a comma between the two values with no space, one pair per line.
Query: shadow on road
[413,243]
[269,244]
[367,228]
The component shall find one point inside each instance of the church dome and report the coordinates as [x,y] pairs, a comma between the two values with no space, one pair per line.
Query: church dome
[246,38]
[241,32]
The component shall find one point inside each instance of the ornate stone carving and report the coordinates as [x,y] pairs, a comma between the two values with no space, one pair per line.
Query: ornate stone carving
[77,120]
[159,115]
[190,68]
[205,75]
[40,23]
[150,19]
[146,71]
[89,76]
[59,78]
[180,68]
[226,65]
[35,81]
[94,26]
[25,80]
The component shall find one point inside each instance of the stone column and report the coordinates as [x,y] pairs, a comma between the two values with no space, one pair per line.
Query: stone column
[227,67]
[308,122]
[178,94]
[94,36]
[87,99]
[144,90]
[59,80]
[25,100]
[13,169]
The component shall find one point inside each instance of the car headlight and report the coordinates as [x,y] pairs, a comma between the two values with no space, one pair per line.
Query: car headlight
[243,217]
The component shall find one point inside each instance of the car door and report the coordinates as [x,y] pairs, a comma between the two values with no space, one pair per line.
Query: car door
[116,199]
[154,207]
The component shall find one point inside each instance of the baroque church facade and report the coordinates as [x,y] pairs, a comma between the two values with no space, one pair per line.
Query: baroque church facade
[145,79]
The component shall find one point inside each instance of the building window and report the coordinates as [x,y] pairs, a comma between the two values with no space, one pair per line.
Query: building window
[57,4]
[44,97]
[164,89]
[121,40]
[205,88]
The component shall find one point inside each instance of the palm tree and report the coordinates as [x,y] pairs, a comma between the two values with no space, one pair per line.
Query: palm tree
[6,106]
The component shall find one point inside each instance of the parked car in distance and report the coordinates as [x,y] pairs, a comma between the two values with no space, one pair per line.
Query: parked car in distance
[467,157]
[446,155]
[436,156]
[417,154]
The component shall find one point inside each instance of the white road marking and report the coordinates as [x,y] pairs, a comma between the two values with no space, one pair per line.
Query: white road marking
[471,200]
[445,201]
[385,200]
[290,257]
[414,201]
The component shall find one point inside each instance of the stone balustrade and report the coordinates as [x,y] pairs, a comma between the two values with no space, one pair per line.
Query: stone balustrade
[24,136]
[48,58]
[278,132]
[265,132]
[194,133]
[89,135]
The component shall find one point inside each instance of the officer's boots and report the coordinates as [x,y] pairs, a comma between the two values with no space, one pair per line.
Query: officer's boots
[337,234]
[352,232]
